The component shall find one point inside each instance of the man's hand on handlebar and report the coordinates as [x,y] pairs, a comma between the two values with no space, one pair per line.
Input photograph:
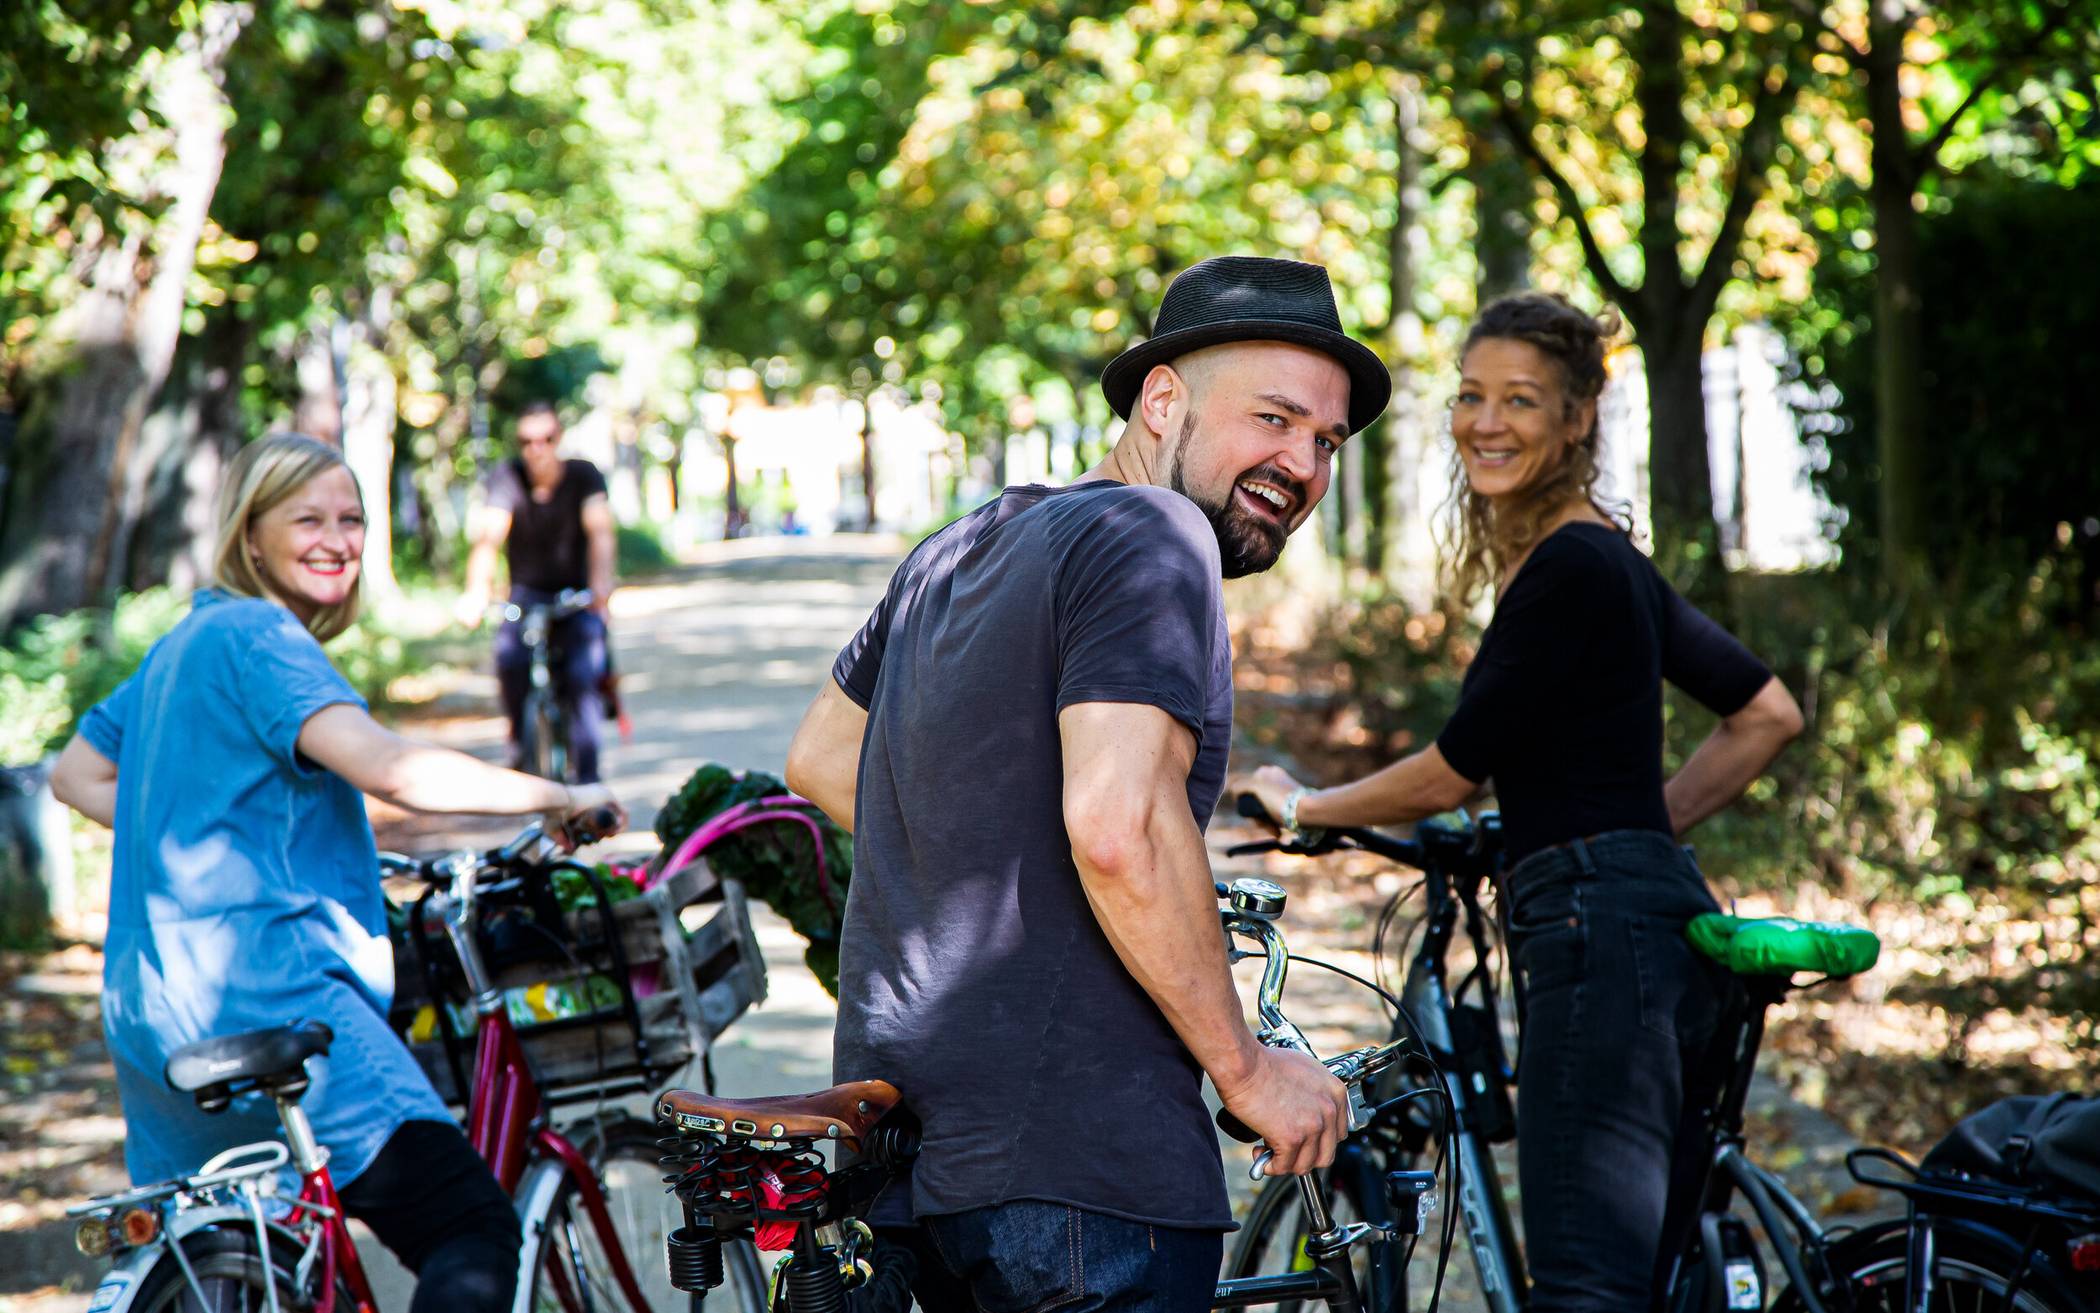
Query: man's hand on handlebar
[1297,1107]
[584,820]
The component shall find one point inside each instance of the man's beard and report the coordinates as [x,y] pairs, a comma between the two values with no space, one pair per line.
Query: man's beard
[1246,545]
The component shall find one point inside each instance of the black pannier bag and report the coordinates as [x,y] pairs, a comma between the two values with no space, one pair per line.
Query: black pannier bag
[2049,1143]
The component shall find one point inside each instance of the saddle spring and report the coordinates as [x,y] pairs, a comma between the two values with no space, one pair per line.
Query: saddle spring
[738,1179]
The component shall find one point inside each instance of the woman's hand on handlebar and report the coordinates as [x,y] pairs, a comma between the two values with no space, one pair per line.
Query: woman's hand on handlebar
[1270,786]
[1297,1107]
[584,820]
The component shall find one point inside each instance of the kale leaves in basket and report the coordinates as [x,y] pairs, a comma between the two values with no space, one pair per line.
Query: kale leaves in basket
[776,861]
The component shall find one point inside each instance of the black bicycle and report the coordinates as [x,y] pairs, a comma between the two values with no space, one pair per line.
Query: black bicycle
[543,723]
[1716,1265]
[752,1167]
[1966,1243]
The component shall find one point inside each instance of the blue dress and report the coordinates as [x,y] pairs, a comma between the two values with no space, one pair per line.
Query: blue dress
[244,892]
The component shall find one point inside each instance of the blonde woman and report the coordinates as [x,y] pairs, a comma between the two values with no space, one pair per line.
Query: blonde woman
[245,892]
[1562,709]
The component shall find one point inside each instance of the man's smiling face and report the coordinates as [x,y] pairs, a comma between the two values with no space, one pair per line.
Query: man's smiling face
[1254,442]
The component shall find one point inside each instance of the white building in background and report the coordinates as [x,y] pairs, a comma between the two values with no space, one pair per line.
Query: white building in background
[800,467]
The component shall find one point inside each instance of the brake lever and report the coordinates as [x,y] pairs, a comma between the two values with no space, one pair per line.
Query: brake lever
[1258,846]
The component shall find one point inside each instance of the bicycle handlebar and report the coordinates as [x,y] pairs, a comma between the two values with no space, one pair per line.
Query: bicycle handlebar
[530,846]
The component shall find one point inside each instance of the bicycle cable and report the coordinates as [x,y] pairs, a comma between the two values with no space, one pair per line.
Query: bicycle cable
[1450,1120]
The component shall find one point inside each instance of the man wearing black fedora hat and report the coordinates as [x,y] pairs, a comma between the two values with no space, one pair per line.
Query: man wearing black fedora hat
[1027,736]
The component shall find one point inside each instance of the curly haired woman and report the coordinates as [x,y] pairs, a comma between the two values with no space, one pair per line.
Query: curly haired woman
[1562,710]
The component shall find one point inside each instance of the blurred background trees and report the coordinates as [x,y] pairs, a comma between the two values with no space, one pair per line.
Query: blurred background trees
[391,222]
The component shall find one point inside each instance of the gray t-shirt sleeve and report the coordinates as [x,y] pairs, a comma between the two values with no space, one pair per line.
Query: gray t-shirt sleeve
[860,661]
[1139,608]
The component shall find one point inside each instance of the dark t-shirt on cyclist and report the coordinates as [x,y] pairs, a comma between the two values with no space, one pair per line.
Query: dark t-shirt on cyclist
[972,972]
[1563,705]
[547,547]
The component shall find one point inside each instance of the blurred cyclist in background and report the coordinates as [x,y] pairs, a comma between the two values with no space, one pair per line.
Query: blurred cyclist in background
[551,519]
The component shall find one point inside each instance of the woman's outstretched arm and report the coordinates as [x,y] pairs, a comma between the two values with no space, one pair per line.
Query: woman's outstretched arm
[426,778]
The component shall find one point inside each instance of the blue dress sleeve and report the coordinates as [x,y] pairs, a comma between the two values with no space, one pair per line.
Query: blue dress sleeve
[106,722]
[284,679]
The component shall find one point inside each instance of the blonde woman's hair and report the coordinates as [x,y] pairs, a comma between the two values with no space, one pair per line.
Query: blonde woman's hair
[1478,540]
[263,475]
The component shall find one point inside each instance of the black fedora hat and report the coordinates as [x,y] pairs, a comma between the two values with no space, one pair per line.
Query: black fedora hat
[1249,298]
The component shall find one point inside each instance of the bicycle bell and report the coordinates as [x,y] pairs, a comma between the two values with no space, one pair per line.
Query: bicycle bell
[1257,898]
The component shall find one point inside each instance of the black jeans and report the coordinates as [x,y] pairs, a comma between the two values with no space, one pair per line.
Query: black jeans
[430,1199]
[1620,1017]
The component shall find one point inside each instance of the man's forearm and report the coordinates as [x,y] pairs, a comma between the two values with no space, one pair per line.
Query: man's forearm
[1152,893]
[603,552]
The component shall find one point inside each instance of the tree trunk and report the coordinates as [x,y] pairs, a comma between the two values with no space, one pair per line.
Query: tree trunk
[1898,311]
[1670,324]
[732,509]
[1680,473]
[867,464]
[187,443]
[370,396]
[72,512]
[1502,205]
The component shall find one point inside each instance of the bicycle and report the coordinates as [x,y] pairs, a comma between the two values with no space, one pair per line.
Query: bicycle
[543,722]
[1966,1243]
[586,1203]
[1715,1266]
[751,1170]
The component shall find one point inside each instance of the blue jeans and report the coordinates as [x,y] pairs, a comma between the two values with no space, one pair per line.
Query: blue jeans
[576,660]
[1620,1020]
[1032,1257]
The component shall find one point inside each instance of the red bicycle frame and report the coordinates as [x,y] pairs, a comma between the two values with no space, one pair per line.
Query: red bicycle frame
[501,1124]
[317,1201]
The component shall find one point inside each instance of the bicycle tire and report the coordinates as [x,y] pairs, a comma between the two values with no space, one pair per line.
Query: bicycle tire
[1272,1240]
[539,731]
[573,1275]
[1972,1269]
[230,1274]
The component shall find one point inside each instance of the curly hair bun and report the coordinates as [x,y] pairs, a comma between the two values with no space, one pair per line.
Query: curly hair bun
[1552,323]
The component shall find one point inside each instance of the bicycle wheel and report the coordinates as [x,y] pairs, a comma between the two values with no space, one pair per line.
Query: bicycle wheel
[1272,1240]
[1972,1270]
[575,1273]
[539,736]
[229,1275]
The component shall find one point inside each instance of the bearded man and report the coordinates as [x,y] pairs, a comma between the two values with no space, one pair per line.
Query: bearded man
[1027,737]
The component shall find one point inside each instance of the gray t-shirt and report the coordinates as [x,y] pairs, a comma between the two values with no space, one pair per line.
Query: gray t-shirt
[972,972]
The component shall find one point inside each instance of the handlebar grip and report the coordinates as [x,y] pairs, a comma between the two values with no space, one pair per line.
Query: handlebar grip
[1236,1128]
[593,826]
[1250,807]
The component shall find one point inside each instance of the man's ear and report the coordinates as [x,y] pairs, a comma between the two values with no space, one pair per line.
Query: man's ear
[1156,397]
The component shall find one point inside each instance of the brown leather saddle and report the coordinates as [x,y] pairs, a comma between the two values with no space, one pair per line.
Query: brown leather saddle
[843,1112]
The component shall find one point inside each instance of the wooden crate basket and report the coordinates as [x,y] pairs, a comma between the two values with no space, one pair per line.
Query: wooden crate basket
[691,934]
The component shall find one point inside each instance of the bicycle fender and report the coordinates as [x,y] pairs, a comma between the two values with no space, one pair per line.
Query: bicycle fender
[120,1285]
[535,1200]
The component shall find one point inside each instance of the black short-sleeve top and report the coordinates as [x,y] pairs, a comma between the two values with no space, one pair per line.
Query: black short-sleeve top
[547,547]
[1562,707]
